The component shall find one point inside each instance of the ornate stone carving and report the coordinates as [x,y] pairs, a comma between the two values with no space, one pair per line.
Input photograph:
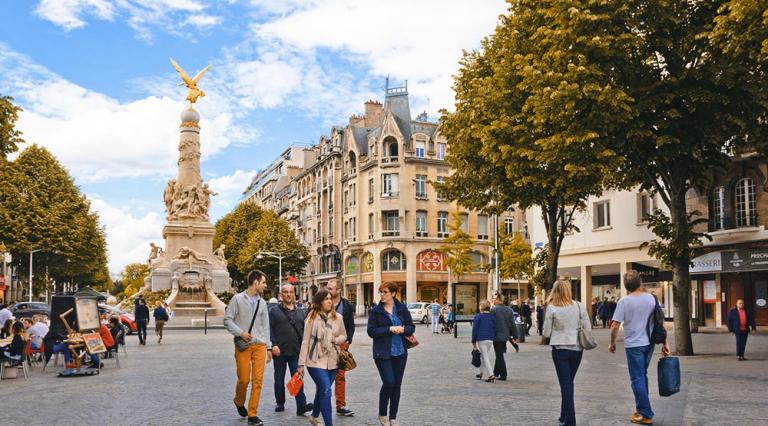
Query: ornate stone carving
[155,253]
[188,254]
[219,255]
[192,202]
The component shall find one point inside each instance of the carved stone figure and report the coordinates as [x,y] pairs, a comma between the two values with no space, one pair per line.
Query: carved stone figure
[154,252]
[169,194]
[219,255]
[188,254]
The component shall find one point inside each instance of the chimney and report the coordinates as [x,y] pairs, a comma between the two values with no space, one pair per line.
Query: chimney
[357,120]
[374,114]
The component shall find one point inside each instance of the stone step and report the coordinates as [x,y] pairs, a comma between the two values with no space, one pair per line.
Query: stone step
[186,312]
[193,304]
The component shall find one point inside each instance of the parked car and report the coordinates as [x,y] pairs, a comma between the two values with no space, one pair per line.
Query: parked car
[420,311]
[126,319]
[27,309]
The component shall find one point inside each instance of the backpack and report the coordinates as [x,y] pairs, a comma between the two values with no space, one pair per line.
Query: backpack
[657,334]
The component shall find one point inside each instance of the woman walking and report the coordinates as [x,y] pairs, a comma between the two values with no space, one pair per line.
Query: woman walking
[389,323]
[483,333]
[323,333]
[563,318]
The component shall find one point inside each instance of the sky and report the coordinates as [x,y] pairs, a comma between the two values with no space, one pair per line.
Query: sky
[98,90]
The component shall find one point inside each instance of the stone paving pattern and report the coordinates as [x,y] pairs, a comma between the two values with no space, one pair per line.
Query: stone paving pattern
[189,380]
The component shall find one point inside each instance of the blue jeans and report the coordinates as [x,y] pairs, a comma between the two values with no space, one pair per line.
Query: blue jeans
[741,342]
[566,365]
[638,360]
[141,330]
[323,380]
[63,348]
[391,371]
[280,364]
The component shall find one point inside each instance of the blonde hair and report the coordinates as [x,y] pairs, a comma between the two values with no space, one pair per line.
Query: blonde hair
[485,306]
[560,294]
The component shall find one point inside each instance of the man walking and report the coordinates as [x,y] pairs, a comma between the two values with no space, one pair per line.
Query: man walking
[506,330]
[286,326]
[634,313]
[435,310]
[347,312]
[246,317]
[142,318]
[739,322]
[525,312]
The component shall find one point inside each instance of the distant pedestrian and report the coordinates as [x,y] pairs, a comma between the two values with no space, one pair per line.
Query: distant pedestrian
[247,318]
[286,325]
[161,316]
[435,310]
[593,311]
[323,335]
[540,317]
[604,311]
[739,322]
[389,324]
[506,331]
[344,308]
[142,318]
[526,314]
[634,313]
[563,318]
[483,335]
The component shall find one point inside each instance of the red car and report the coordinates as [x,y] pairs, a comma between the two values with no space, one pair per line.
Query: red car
[125,318]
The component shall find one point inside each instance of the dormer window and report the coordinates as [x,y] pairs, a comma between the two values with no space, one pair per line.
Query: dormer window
[421,147]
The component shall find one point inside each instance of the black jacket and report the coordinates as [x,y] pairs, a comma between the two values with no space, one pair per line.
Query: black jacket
[733,321]
[142,313]
[525,311]
[349,318]
[378,328]
[286,328]
[505,323]
[160,314]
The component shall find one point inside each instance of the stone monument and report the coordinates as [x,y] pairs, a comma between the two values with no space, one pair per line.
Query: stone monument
[188,265]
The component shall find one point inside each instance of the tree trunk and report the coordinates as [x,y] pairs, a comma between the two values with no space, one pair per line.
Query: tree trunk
[550,219]
[681,282]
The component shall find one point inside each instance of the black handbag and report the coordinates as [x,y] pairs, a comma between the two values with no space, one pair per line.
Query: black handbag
[476,358]
[241,344]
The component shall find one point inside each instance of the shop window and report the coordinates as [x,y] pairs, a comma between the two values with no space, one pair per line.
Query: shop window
[393,260]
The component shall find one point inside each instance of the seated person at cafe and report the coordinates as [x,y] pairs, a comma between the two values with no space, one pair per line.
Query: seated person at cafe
[37,331]
[6,332]
[15,350]
[117,332]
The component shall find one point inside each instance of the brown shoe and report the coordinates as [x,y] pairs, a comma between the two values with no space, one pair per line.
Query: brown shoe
[639,419]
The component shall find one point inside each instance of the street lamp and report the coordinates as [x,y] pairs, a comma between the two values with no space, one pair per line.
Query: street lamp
[31,275]
[279,258]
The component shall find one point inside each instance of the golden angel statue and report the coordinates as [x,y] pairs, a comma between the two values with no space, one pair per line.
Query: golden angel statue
[191,83]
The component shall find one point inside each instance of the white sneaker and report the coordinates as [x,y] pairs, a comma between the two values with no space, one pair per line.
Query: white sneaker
[384,420]
[315,421]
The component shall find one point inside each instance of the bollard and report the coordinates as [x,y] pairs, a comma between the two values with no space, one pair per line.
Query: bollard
[205,326]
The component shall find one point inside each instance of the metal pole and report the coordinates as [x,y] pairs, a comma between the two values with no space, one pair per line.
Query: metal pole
[280,272]
[205,326]
[496,277]
[30,275]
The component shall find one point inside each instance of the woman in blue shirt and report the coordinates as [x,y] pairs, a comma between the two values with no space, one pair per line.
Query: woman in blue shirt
[483,334]
[388,324]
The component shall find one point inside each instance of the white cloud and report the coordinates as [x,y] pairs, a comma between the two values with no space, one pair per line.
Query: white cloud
[98,137]
[68,14]
[128,236]
[203,21]
[230,188]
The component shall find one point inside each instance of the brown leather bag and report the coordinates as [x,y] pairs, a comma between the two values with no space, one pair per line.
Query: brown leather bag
[346,360]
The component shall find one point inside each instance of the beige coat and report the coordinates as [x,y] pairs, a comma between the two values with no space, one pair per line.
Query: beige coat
[326,361]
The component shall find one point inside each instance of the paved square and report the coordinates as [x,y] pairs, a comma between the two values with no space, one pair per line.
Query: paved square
[189,380]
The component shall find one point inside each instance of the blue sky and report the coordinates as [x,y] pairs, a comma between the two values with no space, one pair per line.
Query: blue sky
[97,88]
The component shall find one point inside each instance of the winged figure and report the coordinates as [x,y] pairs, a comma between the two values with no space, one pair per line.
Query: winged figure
[191,83]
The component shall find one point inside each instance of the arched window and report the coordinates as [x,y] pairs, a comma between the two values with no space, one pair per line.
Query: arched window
[352,163]
[367,263]
[718,208]
[745,203]
[393,260]
[390,148]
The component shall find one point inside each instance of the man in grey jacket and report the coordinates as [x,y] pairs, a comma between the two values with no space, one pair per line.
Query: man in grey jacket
[506,330]
[244,309]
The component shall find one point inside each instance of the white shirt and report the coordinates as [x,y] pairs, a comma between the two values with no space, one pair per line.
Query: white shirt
[39,329]
[5,315]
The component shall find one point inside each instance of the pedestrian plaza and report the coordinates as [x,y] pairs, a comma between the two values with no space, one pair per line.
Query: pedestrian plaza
[189,379]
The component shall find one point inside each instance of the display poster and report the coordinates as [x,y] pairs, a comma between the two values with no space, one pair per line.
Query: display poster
[710,291]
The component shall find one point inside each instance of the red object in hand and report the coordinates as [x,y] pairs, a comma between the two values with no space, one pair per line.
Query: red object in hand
[295,384]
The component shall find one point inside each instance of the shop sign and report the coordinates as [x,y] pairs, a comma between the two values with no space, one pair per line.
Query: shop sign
[430,261]
[651,274]
[710,262]
[745,260]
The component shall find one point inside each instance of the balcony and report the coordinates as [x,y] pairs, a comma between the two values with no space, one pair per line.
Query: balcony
[421,196]
[390,194]
[389,160]
[422,234]
[442,235]
[727,223]
[390,233]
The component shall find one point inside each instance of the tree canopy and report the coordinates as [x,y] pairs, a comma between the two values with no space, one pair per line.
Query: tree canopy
[10,137]
[457,248]
[132,278]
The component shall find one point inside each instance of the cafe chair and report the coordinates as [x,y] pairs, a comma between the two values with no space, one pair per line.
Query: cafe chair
[13,363]
[29,352]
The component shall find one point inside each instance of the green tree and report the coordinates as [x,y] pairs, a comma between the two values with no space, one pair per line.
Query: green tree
[132,278]
[457,248]
[272,234]
[534,116]
[516,257]
[742,29]
[10,137]
[232,230]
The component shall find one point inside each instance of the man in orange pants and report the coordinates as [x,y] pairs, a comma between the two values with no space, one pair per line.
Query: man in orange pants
[347,312]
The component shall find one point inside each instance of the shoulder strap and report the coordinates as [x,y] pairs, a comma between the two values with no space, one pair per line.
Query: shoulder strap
[290,321]
[258,303]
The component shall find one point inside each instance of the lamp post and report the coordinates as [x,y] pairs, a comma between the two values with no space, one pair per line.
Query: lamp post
[31,275]
[279,258]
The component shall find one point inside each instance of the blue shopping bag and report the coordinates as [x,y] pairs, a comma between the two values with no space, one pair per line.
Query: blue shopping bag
[669,375]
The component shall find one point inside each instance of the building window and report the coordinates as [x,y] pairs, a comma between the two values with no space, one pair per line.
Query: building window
[464,222]
[370,191]
[352,229]
[421,186]
[393,260]
[345,200]
[745,203]
[602,214]
[391,224]
[645,206]
[352,195]
[371,226]
[421,224]
[509,225]
[330,226]
[482,227]
[440,194]
[390,186]
[421,147]
[442,224]
[440,151]
[719,208]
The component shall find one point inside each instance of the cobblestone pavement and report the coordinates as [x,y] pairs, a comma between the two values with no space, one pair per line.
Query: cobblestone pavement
[189,380]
